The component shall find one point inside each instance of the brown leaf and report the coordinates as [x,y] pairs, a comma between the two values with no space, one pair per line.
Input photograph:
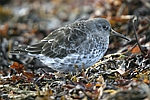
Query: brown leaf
[29,75]
[136,50]
[15,78]
[18,67]
[89,85]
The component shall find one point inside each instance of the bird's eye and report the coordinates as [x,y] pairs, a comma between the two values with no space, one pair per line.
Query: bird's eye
[105,27]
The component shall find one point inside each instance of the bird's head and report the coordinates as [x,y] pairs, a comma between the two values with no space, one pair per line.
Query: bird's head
[104,26]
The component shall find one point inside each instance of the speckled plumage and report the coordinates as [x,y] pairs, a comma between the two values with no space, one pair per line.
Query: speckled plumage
[80,42]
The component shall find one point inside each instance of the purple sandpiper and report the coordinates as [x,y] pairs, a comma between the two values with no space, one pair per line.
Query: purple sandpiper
[81,42]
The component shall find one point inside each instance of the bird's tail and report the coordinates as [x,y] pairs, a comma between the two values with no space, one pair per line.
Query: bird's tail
[19,50]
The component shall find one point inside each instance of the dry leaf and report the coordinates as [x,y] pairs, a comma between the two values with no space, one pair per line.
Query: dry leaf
[18,67]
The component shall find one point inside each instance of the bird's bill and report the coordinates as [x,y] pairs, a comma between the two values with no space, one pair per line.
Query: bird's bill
[118,34]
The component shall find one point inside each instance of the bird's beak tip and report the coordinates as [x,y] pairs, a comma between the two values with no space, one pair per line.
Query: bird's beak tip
[119,35]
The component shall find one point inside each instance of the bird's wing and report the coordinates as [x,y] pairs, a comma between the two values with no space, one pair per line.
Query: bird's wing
[59,43]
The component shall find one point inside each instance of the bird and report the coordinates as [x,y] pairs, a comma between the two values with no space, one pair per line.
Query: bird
[82,42]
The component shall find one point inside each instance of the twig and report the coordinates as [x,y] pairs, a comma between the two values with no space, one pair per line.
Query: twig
[119,12]
[135,33]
